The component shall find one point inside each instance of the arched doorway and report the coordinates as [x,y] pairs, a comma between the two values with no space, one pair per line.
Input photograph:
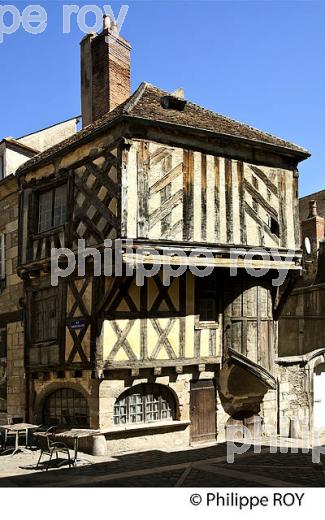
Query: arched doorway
[65,407]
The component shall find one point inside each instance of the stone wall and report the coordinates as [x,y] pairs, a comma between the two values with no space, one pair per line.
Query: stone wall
[295,408]
[267,414]
[9,297]
[15,370]
[10,311]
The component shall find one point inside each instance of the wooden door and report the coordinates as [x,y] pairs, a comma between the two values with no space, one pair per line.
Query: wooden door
[203,411]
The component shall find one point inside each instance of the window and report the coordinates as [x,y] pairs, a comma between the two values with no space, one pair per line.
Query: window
[45,315]
[274,226]
[52,208]
[145,403]
[207,298]
[2,262]
[66,407]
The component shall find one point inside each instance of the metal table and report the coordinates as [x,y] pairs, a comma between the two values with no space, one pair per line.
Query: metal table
[76,434]
[16,429]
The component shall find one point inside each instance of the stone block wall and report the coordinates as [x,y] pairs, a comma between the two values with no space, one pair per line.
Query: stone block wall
[15,370]
[9,297]
[11,291]
[268,415]
[295,408]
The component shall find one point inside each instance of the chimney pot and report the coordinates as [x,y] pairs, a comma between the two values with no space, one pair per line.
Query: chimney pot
[106,22]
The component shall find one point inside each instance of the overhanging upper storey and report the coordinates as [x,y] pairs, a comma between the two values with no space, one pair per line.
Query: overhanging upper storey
[142,172]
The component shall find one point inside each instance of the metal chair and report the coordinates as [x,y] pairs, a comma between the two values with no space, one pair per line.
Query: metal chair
[40,429]
[2,439]
[49,448]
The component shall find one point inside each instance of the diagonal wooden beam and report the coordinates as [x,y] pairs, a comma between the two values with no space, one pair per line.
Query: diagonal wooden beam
[158,214]
[162,295]
[259,221]
[77,345]
[163,340]
[167,179]
[264,178]
[258,197]
[122,341]
[78,298]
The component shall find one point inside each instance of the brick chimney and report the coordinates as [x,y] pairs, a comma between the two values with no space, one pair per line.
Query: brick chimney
[313,227]
[105,72]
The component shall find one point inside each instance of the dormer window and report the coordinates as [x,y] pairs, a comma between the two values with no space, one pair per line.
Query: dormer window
[52,208]
[172,103]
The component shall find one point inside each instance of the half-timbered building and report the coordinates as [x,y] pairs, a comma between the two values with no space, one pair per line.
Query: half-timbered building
[154,365]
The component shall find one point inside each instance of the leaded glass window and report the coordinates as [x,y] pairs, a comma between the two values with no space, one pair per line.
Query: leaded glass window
[144,403]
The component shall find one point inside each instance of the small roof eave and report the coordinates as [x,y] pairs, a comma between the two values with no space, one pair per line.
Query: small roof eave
[258,371]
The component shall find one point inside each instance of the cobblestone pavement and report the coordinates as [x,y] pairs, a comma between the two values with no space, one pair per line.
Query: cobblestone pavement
[194,467]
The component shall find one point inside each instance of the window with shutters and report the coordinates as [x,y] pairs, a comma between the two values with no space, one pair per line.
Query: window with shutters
[45,315]
[52,208]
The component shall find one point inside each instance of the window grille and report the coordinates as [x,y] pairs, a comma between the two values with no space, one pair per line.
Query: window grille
[144,403]
[66,407]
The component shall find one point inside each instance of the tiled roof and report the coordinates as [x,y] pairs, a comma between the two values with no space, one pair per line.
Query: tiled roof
[17,144]
[145,103]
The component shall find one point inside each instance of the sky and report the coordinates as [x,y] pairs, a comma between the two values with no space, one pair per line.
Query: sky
[260,62]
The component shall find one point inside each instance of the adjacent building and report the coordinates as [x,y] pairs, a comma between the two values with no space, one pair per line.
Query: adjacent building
[13,153]
[302,323]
